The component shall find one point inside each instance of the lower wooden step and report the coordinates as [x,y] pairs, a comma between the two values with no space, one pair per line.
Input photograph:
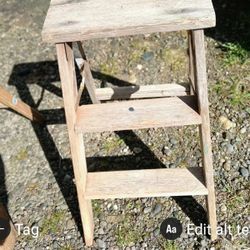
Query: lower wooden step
[145,183]
[137,114]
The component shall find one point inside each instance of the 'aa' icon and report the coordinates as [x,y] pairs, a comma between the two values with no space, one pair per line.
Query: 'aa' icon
[171,228]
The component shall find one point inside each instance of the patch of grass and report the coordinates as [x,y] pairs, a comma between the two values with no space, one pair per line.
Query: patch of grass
[137,49]
[235,53]
[235,202]
[97,207]
[110,67]
[126,233]
[176,58]
[22,155]
[112,143]
[170,245]
[235,91]
[52,224]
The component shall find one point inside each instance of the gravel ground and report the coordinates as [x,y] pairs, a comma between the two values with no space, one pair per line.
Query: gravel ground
[36,179]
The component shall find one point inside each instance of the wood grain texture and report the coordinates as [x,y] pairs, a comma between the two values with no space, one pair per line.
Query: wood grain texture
[69,89]
[9,242]
[145,183]
[201,84]
[85,71]
[68,21]
[137,114]
[142,91]
[20,107]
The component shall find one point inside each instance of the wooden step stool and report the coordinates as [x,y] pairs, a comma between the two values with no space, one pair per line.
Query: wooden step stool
[71,21]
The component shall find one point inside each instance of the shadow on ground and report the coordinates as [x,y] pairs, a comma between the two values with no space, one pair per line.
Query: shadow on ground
[232,22]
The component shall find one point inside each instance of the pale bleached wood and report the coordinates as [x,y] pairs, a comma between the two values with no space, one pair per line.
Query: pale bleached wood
[9,242]
[69,88]
[145,183]
[2,106]
[68,21]
[136,114]
[201,84]
[20,107]
[142,91]
[85,71]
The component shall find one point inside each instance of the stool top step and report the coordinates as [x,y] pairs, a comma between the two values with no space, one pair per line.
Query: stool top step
[77,20]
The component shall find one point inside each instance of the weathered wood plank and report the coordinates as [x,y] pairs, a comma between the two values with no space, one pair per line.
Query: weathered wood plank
[80,20]
[69,89]
[85,71]
[20,107]
[142,91]
[145,183]
[137,114]
[201,84]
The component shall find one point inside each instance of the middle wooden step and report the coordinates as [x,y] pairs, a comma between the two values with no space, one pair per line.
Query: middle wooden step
[138,114]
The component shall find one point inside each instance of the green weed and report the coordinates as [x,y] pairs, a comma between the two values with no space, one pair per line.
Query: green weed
[235,53]
[52,224]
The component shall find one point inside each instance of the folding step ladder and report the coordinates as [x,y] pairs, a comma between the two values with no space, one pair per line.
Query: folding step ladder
[70,21]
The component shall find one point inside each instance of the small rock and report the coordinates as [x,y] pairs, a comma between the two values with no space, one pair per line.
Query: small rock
[243,130]
[173,141]
[115,207]
[132,78]
[70,224]
[227,165]
[203,243]
[156,232]
[244,172]
[166,151]
[100,243]
[223,208]
[139,67]
[67,178]
[156,210]
[147,210]
[137,150]
[230,148]
[226,123]
[147,56]
[100,231]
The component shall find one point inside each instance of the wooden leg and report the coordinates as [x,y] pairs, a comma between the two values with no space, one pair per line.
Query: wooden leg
[201,84]
[191,63]
[86,73]
[9,101]
[69,89]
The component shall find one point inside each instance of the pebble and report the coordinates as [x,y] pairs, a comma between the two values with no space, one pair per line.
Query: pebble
[173,141]
[230,148]
[147,56]
[147,210]
[243,130]
[156,210]
[223,208]
[244,172]
[203,243]
[132,78]
[226,123]
[227,165]
[156,232]
[100,243]
[166,151]
[100,231]
[137,150]
[139,67]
